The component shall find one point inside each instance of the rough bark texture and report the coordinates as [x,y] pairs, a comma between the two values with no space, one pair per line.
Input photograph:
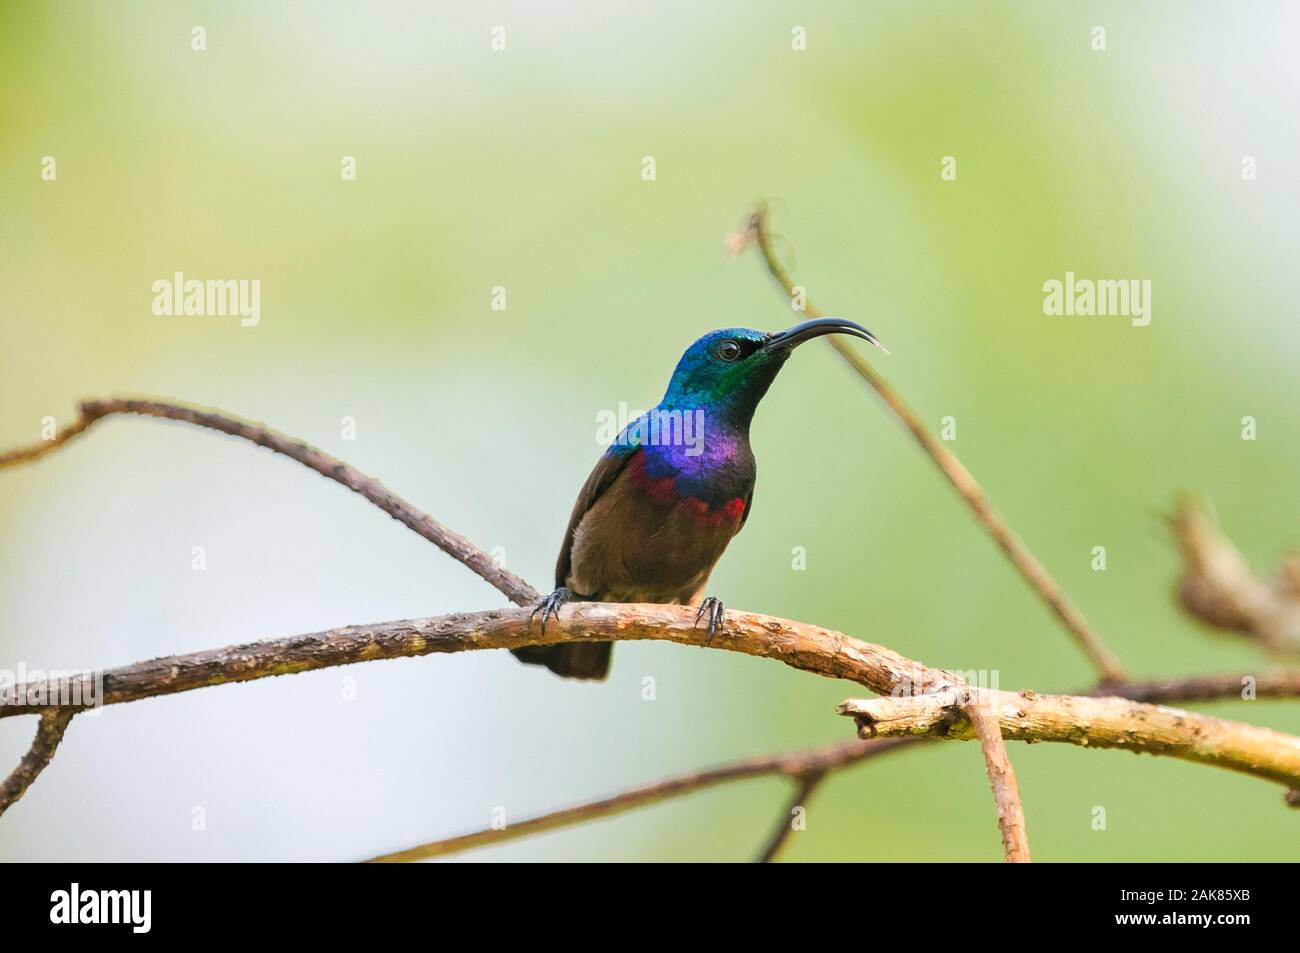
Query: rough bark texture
[1099,722]
[807,647]
[1002,778]
[1093,723]
[49,732]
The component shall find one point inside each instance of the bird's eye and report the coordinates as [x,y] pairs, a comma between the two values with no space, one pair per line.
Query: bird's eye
[727,350]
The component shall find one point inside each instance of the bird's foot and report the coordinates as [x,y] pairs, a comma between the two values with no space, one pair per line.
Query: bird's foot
[549,606]
[715,609]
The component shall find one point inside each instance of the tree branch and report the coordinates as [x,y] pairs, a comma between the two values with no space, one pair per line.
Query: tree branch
[797,765]
[797,644]
[49,732]
[807,783]
[756,231]
[1002,778]
[1099,722]
[451,543]
[1089,722]
[1244,686]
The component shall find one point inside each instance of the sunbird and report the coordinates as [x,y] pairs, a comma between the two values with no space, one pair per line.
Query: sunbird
[672,489]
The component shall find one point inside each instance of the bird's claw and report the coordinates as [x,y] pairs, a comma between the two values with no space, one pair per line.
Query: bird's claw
[549,606]
[715,609]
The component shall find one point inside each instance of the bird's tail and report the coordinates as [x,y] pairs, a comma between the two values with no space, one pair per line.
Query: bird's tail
[586,660]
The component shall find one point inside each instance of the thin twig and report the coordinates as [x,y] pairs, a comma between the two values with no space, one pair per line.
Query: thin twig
[1002,778]
[795,765]
[1244,686]
[1030,568]
[451,543]
[807,783]
[49,732]
[1199,688]
[23,454]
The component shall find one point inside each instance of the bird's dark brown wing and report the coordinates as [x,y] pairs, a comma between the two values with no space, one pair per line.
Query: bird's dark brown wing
[607,469]
[585,660]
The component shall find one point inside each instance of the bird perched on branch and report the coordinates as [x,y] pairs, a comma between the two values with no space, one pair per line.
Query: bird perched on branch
[671,491]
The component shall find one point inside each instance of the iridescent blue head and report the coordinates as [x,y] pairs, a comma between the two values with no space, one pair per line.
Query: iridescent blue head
[727,372]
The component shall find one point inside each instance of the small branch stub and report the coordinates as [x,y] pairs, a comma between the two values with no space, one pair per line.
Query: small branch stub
[1219,588]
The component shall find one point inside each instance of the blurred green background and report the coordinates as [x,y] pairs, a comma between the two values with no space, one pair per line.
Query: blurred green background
[522,168]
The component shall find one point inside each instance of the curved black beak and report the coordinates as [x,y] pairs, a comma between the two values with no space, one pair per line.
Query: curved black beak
[807,330]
